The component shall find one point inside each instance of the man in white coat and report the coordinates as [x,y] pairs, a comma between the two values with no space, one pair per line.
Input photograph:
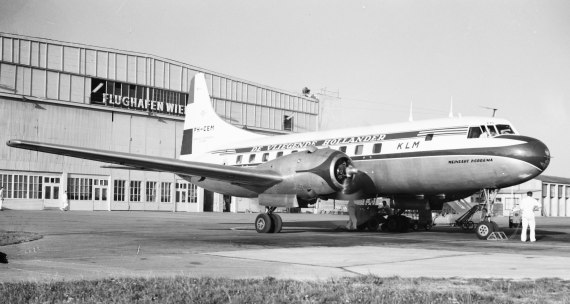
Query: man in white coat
[64,201]
[351,208]
[1,197]
[528,206]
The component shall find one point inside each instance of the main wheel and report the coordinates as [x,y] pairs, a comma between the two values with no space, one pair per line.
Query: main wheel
[372,225]
[277,222]
[263,223]
[484,229]
[393,224]
[404,223]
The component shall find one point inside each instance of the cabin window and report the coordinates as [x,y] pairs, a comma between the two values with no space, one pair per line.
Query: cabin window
[238,159]
[265,157]
[377,148]
[429,137]
[342,149]
[505,129]
[251,158]
[358,149]
[280,153]
[294,151]
[475,132]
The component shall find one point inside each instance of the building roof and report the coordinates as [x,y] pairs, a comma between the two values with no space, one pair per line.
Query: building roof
[553,179]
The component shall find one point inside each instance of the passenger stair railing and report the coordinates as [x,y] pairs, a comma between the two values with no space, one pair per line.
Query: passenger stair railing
[465,221]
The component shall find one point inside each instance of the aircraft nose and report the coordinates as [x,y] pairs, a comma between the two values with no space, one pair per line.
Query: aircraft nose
[534,152]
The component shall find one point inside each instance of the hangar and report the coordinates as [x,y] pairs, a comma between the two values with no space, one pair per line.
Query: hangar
[74,94]
[553,194]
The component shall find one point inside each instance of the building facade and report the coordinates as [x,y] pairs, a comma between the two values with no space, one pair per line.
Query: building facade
[72,94]
[553,194]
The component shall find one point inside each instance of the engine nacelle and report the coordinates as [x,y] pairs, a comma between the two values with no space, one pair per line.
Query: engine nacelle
[309,175]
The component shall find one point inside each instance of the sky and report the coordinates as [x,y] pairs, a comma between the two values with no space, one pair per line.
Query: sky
[378,56]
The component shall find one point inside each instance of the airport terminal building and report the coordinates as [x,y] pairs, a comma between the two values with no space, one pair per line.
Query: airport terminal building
[53,91]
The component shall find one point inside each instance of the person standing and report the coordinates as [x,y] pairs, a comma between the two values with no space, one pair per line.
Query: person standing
[1,197]
[64,201]
[527,207]
[351,208]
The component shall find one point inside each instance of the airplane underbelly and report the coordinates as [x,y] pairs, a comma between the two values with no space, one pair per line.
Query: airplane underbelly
[439,174]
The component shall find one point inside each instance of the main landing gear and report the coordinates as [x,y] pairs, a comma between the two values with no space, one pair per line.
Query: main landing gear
[268,222]
[486,227]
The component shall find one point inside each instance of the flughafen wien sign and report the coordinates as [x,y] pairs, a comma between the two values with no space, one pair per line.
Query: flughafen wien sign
[101,94]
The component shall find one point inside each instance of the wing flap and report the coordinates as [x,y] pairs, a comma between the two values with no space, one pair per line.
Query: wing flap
[237,175]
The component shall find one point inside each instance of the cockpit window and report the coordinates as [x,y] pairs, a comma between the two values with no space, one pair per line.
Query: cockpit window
[489,131]
[505,129]
[492,130]
[474,132]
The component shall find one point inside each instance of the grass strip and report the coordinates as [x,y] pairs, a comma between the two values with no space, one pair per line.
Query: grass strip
[364,289]
[16,237]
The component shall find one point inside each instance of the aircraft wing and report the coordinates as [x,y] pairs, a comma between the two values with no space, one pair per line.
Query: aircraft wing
[237,175]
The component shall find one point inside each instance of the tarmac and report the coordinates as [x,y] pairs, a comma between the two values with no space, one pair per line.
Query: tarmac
[101,245]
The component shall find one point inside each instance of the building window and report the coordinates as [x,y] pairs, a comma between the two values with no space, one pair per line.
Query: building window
[20,186]
[79,188]
[165,192]
[544,190]
[181,192]
[552,189]
[560,191]
[288,123]
[377,148]
[135,189]
[567,191]
[192,193]
[36,187]
[119,190]
[150,191]
[6,182]
[358,149]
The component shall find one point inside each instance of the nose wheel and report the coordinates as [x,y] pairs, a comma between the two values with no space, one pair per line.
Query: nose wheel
[268,222]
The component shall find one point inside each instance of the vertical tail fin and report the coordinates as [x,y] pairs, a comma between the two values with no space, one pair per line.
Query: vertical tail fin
[204,130]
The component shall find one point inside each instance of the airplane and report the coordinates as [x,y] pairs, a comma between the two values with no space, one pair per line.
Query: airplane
[419,165]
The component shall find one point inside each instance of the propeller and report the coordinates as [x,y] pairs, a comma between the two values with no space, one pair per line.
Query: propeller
[352,179]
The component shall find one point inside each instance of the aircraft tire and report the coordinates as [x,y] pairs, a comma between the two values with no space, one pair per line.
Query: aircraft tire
[484,229]
[404,224]
[372,225]
[277,222]
[264,224]
[415,226]
[393,224]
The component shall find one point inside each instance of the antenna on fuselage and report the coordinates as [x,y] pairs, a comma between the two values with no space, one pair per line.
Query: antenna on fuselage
[494,110]
[451,108]
[411,118]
